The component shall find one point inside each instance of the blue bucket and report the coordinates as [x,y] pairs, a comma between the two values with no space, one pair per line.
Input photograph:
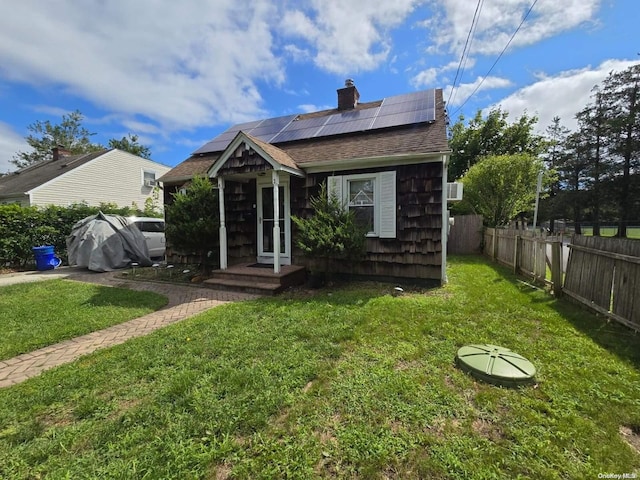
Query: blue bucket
[46,258]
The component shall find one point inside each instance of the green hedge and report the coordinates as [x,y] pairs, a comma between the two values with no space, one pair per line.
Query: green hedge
[22,228]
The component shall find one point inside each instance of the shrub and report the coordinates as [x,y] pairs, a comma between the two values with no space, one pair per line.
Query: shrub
[192,221]
[331,233]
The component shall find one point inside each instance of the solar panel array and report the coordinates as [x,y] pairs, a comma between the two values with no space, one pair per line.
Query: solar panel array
[395,111]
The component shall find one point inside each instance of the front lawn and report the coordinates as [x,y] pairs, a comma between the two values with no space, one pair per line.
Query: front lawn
[34,315]
[349,383]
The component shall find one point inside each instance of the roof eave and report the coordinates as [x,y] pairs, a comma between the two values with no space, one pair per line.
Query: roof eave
[379,161]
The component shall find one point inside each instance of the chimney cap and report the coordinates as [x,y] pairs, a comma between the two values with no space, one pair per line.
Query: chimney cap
[349,82]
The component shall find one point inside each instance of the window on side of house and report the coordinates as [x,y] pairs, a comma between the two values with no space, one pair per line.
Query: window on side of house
[149,178]
[372,197]
[361,201]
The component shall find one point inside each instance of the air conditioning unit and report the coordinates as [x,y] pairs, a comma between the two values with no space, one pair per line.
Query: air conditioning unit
[454,191]
[150,183]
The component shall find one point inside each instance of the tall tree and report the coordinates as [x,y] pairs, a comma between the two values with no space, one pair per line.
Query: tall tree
[130,144]
[500,187]
[592,122]
[621,91]
[44,136]
[573,175]
[555,157]
[492,135]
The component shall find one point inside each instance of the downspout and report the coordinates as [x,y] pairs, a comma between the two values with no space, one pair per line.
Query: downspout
[445,219]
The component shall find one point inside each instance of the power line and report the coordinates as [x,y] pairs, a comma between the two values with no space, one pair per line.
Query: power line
[497,59]
[474,23]
[464,65]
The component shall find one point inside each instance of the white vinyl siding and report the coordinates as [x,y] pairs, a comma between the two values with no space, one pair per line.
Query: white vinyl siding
[384,193]
[115,177]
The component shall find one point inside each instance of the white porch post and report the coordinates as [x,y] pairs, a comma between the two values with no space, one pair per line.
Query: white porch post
[275,176]
[223,227]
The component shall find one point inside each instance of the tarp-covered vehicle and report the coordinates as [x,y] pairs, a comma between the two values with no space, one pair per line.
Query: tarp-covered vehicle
[104,243]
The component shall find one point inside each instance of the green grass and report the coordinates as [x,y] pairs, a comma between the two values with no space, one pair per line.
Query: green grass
[632,232]
[349,383]
[34,315]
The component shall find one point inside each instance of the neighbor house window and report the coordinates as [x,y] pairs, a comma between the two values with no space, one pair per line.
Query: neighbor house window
[372,197]
[149,178]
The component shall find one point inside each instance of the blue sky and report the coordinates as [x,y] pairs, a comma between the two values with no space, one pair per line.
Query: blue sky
[178,73]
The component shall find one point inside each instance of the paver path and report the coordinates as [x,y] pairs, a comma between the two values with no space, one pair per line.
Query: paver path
[184,302]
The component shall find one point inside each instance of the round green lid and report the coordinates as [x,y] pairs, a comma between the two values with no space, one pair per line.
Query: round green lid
[496,365]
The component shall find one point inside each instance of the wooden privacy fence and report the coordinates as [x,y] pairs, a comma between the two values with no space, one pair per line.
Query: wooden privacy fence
[465,235]
[601,273]
[604,274]
[528,253]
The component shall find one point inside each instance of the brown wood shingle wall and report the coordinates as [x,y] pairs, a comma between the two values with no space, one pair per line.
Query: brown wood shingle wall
[416,252]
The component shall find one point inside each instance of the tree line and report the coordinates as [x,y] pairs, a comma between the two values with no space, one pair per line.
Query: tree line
[70,134]
[590,175]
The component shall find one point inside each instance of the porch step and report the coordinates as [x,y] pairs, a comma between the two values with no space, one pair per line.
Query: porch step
[228,284]
[250,279]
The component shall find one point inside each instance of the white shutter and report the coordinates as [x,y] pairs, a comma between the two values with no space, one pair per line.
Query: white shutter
[387,204]
[334,187]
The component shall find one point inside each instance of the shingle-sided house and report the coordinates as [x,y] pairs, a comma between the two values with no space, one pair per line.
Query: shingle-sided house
[105,176]
[387,159]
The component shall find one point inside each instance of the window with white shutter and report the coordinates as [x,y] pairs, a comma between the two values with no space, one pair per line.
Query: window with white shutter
[372,196]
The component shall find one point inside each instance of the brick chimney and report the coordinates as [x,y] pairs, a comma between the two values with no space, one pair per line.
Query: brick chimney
[348,96]
[59,152]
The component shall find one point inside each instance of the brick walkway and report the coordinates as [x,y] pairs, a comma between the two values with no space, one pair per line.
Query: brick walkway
[184,302]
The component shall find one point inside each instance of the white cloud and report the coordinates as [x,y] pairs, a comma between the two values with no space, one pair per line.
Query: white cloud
[427,78]
[562,95]
[348,36]
[180,64]
[500,18]
[10,144]
[296,53]
[464,90]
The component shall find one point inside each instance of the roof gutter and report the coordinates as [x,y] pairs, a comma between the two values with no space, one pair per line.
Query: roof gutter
[370,162]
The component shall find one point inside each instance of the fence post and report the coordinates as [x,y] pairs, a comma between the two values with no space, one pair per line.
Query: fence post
[516,254]
[494,244]
[556,268]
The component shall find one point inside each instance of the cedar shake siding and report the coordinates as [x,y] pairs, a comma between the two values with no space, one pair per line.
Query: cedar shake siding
[416,252]
[241,221]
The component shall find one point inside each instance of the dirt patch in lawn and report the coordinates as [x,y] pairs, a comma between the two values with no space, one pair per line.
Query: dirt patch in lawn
[631,435]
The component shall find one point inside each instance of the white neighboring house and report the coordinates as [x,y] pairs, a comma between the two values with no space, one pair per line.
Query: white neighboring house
[106,176]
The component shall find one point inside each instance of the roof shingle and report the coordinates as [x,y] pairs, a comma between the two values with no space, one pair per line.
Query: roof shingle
[418,138]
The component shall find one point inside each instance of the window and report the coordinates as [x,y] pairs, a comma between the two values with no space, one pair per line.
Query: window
[149,178]
[372,196]
[361,202]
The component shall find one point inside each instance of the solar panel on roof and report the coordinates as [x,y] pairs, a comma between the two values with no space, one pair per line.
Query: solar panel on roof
[415,107]
[345,127]
[291,135]
[212,146]
[407,97]
[352,115]
[270,127]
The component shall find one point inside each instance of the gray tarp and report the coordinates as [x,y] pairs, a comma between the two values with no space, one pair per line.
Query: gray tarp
[103,243]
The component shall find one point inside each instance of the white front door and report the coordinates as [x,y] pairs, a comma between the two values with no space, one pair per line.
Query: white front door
[265,207]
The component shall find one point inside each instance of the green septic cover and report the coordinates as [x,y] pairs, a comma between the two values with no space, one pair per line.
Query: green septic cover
[496,365]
